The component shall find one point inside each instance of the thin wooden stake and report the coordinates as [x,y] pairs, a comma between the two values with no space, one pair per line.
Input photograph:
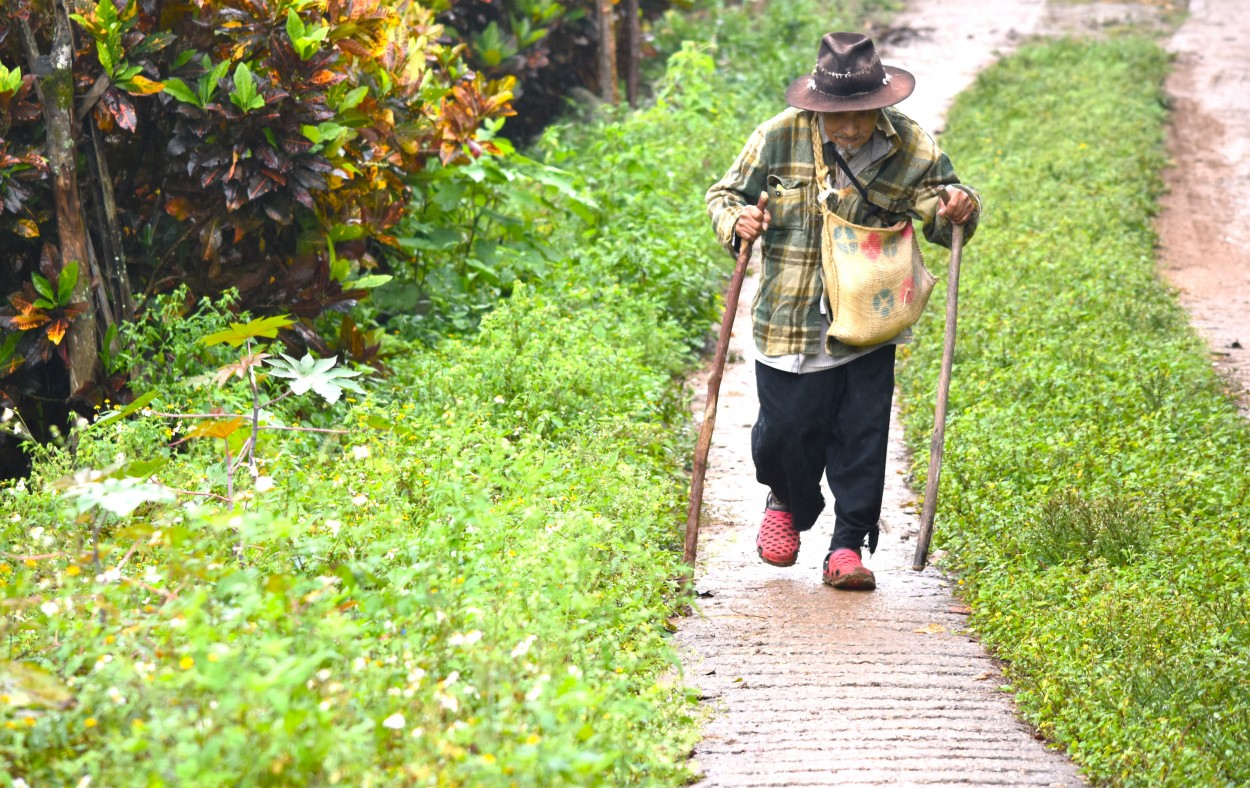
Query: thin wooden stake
[939,415]
[713,393]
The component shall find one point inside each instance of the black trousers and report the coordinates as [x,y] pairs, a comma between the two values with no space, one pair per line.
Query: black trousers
[835,422]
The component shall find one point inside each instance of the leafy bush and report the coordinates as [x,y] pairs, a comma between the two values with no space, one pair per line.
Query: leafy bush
[287,132]
[462,576]
[1094,496]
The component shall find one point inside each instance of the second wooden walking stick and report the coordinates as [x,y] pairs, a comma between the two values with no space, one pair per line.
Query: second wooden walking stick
[939,414]
[713,392]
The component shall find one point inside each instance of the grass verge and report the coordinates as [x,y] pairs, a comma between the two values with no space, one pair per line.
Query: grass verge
[1094,494]
[469,582]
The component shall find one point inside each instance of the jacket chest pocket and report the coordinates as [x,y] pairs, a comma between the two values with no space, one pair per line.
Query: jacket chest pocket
[787,203]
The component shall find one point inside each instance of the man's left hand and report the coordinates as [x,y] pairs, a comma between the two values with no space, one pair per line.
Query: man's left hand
[959,208]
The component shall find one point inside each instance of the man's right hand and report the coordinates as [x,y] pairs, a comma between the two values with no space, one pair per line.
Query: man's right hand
[752,223]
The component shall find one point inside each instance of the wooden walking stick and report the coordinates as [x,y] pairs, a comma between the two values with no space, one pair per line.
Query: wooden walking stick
[713,392]
[944,385]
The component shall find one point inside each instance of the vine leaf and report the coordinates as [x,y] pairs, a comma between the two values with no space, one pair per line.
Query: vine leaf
[319,374]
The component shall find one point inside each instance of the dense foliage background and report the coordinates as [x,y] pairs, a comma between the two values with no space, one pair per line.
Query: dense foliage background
[1094,493]
[274,570]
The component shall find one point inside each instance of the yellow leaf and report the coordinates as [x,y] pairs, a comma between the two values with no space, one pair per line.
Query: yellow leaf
[56,331]
[142,86]
[179,208]
[930,629]
[217,429]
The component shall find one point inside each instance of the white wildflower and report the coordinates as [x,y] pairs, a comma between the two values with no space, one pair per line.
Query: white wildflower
[523,647]
[109,576]
[465,639]
[448,702]
[394,722]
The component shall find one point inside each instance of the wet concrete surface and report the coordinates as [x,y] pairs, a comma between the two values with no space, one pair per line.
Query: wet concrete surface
[806,685]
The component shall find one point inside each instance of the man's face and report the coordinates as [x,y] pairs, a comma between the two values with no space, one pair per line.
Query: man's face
[850,129]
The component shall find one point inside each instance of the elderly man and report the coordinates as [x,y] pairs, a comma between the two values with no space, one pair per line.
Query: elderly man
[824,403]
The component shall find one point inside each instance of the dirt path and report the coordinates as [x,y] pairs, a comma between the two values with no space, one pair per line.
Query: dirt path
[1204,228]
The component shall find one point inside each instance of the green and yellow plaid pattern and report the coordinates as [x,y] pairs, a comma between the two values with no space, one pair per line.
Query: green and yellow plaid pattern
[779,157]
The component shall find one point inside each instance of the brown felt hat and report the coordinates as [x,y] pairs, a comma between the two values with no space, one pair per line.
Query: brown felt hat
[848,76]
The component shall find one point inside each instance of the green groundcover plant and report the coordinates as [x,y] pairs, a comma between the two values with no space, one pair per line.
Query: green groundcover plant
[1094,494]
[271,570]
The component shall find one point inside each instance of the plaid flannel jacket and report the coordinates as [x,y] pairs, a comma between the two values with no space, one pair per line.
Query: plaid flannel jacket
[779,157]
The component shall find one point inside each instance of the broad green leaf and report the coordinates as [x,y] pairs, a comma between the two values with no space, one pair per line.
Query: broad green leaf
[141,469]
[244,95]
[140,402]
[367,282]
[43,287]
[66,281]
[184,57]
[238,333]
[207,84]
[353,98]
[9,346]
[179,90]
[153,43]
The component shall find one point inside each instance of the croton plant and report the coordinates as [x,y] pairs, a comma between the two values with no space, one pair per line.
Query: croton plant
[260,145]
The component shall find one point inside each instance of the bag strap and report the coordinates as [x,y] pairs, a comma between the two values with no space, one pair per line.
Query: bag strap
[831,149]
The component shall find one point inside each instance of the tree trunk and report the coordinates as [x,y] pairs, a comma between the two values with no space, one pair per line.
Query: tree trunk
[607,53]
[115,274]
[634,28]
[55,87]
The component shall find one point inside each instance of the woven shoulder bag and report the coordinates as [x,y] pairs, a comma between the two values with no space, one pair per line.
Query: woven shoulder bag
[875,277]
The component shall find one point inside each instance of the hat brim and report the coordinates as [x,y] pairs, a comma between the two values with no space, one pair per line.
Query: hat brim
[802,95]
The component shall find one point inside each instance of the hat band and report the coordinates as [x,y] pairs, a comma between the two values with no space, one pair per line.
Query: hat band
[866,70]
[811,83]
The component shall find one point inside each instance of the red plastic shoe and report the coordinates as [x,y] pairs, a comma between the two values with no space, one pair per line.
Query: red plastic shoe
[778,542]
[845,570]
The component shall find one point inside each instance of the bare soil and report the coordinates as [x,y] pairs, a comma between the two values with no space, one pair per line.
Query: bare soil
[1204,228]
[809,686]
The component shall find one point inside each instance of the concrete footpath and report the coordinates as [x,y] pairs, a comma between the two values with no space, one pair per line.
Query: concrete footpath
[809,686]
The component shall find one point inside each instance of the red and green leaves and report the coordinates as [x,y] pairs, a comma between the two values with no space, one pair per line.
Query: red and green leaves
[42,311]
